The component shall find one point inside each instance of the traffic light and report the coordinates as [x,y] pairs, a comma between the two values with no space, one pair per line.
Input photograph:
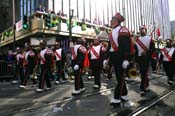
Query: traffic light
[48,22]
[25,22]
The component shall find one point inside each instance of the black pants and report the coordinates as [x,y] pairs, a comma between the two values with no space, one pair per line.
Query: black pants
[45,76]
[78,81]
[96,67]
[143,63]
[169,69]
[19,72]
[117,60]
[28,73]
[153,64]
[60,70]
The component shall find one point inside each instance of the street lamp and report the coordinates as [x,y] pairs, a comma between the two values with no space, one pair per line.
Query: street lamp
[14,25]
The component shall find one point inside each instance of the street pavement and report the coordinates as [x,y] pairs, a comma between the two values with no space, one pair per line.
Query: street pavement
[60,102]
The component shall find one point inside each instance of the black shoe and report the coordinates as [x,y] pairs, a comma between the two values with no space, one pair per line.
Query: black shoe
[170,83]
[142,93]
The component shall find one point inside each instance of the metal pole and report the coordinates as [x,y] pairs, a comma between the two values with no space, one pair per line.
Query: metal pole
[70,21]
[14,26]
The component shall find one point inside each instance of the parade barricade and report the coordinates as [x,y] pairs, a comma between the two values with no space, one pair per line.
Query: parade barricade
[7,70]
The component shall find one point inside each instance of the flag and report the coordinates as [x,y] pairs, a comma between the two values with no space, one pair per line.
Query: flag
[158,32]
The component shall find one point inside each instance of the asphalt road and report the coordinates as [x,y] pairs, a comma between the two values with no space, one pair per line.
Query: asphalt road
[60,102]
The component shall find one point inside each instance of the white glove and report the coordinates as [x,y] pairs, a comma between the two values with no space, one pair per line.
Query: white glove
[125,64]
[76,67]
[106,64]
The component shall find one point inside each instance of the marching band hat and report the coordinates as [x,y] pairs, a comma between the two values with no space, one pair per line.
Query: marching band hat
[97,38]
[142,27]
[79,41]
[17,48]
[42,42]
[168,40]
[119,17]
[27,44]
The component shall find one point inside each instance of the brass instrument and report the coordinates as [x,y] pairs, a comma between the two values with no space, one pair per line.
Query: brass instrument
[133,70]
[34,76]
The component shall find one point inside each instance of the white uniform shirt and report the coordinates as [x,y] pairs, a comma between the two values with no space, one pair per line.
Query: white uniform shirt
[146,40]
[97,50]
[41,54]
[75,48]
[115,37]
[170,53]
[58,51]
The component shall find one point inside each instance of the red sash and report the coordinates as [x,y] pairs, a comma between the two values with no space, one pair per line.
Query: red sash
[73,53]
[114,46]
[41,58]
[141,44]
[95,53]
[58,55]
[166,54]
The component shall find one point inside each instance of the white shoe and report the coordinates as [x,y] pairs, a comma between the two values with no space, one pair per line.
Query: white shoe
[39,90]
[170,82]
[125,98]
[89,77]
[35,85]
[115,101]
[57,82]
[63,81]
[96,86]
[129,104]
[48,88]
[22,86]
[76,92]
[82,90]
[15,81]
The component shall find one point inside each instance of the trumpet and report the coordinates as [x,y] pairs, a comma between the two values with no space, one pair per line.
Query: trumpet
[133,70]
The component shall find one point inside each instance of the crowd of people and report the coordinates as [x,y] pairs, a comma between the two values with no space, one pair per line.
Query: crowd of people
[117,53]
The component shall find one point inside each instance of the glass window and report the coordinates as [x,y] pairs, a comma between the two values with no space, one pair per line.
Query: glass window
[81,9]
[66,7]
[32,6]
[105,12]
[74,7]
[50,6]
[21,8]
[93,12]
[28,8]
[25,7]
[57,6]
[87,9]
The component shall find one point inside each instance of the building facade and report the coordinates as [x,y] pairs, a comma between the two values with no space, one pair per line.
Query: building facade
[173,29]
[151,13]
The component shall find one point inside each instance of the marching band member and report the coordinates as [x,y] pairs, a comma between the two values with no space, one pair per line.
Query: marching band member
[19,66]
[96,61]
[120,49]
[60,62]
[46,63]
[30,61]
[78,54]
[168,58]
[144,47]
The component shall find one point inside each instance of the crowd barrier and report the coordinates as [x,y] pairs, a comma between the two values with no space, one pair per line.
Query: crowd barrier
[7,70]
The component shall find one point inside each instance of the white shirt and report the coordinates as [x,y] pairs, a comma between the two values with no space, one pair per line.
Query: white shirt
[115,37]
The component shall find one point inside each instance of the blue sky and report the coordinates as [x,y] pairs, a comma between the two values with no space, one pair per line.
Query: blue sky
[172,9]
